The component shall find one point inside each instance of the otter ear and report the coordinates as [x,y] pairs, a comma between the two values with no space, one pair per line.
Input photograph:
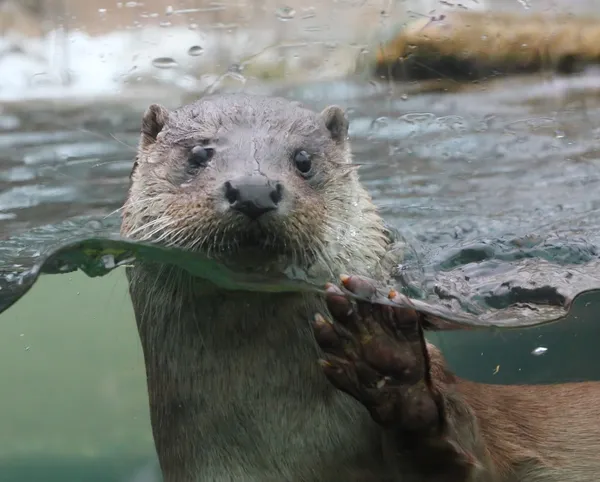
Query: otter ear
[153,121]
[336,122]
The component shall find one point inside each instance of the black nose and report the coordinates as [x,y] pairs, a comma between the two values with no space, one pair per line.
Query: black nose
[253,195]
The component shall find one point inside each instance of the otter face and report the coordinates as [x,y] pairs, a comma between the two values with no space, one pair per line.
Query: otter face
[234,174]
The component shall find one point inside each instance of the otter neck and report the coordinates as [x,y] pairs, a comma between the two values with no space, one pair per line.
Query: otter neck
[240,370]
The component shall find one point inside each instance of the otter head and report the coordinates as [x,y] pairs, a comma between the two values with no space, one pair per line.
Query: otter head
[253,178]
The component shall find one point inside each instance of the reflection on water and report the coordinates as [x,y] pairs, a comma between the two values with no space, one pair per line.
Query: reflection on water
[488,187]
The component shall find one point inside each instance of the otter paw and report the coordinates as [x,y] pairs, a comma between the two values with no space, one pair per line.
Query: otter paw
[375,352]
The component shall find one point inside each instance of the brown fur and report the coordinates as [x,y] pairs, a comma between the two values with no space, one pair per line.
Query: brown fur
[235,391]
[472,45]
[546,433]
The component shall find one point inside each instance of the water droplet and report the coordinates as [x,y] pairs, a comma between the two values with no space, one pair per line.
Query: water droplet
[94,224]
[235,68]
[27,348]
[131,4]
[285,13]
[101,10]
[540,350]
[195,50]
[404,96]
[169,10]
[164,63]
[559,134]
[164,24]
[193,26]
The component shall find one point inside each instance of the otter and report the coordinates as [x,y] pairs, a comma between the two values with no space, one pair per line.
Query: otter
[235,389]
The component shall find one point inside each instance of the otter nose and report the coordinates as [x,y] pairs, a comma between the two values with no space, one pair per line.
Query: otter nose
[253,195]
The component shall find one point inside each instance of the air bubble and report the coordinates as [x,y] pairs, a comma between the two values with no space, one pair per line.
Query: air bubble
[540,350]
[285,13]
[164,63]
[195,50]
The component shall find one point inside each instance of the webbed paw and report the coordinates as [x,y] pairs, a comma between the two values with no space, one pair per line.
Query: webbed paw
[375,351]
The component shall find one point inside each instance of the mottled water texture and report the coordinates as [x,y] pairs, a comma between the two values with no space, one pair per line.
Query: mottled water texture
[492,188]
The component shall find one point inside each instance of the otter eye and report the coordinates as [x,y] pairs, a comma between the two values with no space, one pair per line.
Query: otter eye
[303,162]
[200,156]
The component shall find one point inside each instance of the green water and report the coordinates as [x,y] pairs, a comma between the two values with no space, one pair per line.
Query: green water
[505,357]
[74,403]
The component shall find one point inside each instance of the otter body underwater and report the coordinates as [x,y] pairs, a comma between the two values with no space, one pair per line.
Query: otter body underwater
[236,392]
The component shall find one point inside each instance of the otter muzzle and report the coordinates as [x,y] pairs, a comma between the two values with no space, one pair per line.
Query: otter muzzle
[253,196]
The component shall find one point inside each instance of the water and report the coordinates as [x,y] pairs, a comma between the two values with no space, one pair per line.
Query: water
[492,186]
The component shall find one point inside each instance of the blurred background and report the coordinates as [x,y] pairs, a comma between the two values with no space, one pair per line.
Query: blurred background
[98,46]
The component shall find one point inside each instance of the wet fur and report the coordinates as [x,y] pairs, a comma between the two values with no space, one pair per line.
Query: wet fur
[248,129]
[235,391]
[533,433]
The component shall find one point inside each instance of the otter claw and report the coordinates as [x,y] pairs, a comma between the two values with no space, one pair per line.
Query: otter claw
[320,320]
[382,382]
[361,287]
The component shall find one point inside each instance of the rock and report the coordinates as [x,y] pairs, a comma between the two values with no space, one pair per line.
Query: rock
[468,46]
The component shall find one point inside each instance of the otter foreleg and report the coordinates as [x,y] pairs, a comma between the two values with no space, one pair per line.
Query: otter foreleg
[377,354]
